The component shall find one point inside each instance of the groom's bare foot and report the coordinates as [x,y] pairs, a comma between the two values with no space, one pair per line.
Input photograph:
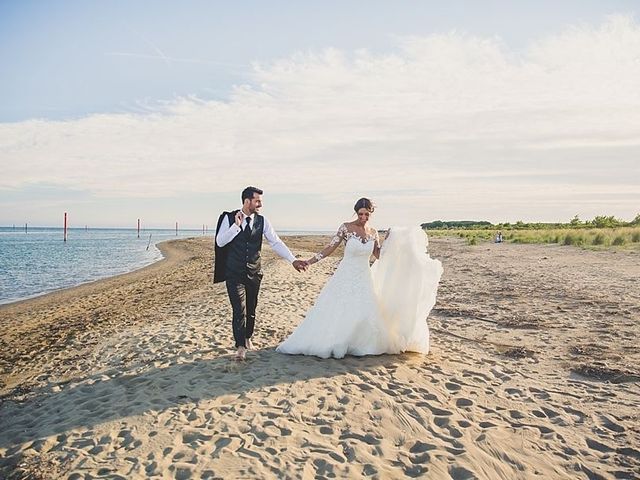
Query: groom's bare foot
[241,354]
[249,344]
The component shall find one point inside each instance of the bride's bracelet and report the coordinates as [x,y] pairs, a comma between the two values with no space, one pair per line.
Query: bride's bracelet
[318,256]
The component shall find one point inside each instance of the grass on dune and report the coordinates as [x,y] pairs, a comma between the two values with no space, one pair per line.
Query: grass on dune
[628,237]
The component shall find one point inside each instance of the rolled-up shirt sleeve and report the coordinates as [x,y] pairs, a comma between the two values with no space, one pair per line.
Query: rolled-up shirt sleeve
[227,232]
[274,241]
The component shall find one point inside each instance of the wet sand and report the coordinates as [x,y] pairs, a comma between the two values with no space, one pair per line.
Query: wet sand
[533,373]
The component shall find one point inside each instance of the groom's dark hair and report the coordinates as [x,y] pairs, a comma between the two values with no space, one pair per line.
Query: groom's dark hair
[249,191]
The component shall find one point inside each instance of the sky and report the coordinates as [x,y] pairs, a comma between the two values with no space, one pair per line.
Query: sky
[457,110]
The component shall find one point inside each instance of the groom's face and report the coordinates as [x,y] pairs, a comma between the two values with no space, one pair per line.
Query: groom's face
[254,204]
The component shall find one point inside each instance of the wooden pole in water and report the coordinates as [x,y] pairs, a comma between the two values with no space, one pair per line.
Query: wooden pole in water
[203,228]
[25,228]
[176,229]
[138,228]
[65,226]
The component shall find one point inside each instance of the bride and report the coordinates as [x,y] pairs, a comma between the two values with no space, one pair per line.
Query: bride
[365,310]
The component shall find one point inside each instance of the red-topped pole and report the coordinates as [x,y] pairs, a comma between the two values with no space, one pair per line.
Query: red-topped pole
[65,226]
[138,228]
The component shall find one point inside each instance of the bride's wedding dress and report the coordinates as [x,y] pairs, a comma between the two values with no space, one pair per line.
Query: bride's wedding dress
[365,310]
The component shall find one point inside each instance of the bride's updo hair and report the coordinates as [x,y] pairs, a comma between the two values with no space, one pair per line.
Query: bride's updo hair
[364,203]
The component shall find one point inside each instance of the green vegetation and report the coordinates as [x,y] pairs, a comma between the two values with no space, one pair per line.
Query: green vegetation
[439,224]
[601,232]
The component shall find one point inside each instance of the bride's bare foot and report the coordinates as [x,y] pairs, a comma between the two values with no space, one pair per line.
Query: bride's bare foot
[241,354]
[249,344]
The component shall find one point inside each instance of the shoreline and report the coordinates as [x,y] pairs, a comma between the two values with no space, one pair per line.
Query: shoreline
[38,332]
[167,251]
[164,251]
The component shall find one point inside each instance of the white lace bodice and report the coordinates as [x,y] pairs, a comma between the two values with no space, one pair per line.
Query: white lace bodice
[346,234]
[371,240]
[357,249]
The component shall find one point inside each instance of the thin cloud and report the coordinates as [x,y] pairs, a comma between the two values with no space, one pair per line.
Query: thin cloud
[170,60]
[461,118]
[154,47]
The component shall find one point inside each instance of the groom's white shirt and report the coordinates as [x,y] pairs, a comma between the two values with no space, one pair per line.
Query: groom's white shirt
[228,232]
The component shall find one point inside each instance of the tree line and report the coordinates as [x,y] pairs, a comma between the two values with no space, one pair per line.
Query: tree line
[599,221]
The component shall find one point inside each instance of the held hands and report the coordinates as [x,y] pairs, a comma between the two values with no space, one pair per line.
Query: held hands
[300,265]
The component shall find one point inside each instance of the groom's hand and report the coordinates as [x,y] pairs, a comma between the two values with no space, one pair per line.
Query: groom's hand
[239,218]
[300,265]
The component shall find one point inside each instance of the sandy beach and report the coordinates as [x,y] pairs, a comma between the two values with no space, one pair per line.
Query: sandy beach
[533,373]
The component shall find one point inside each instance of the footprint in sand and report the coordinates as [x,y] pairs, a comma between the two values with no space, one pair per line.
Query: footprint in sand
[517,415]
[323,468]
[415,471]
[368,470]
[461,473]
[452,387]
[596,445]
[438,412]
[611,425]
[326,430]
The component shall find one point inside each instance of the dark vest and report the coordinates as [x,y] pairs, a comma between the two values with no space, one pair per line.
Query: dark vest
[240,258]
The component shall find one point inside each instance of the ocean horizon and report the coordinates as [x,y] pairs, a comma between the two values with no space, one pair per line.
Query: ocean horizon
[39,261]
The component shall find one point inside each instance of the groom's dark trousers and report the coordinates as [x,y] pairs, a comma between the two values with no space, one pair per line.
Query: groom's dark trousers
[243,274]
[243,294]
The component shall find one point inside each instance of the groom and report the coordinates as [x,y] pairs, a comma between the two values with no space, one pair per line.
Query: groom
[238,243]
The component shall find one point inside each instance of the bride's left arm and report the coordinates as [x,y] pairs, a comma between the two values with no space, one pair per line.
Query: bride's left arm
[376,246]
[340,235]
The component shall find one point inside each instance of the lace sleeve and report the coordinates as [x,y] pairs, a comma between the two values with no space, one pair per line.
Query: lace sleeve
[376,244]
[333,244]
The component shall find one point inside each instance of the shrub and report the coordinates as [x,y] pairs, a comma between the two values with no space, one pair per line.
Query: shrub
[570,239]
[598,239]
[619,240]
[472,241]
[635,238]
[573,239]
[602,221]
